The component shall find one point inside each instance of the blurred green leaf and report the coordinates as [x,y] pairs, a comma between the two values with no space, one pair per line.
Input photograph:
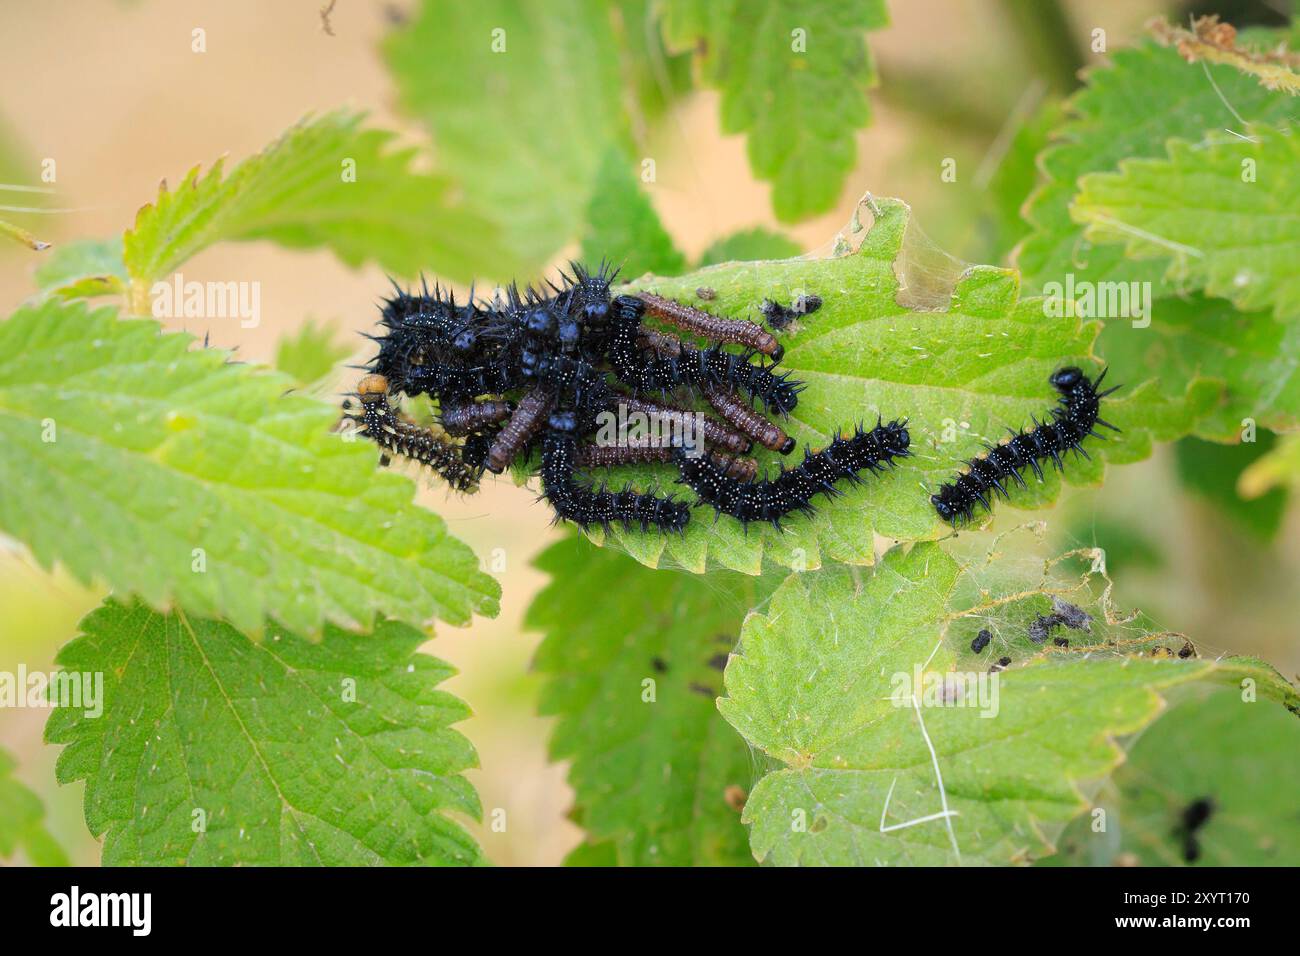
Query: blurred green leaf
[252,507]
[964,361]
[1212,471]
[750,245]
[311,354]
[651,777]
[622,226]
[1130,109]
[1280,468]
[825,686]
[1238,756]
[1225,215]
[22,820]
[794,78]
[1110,121]
[1128,548]
[1012,182]
[84,268]
[657,78]
[1254,355]
[289,752]
[593,854]
[524,100]
[325,182]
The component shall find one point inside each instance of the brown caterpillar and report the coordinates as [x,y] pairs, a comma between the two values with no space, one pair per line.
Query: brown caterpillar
[526,421]
[473,416]
[746,420]
[712,431]
[611,456]
[709,326]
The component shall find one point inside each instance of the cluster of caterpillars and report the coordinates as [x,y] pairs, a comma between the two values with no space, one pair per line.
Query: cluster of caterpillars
[540,372]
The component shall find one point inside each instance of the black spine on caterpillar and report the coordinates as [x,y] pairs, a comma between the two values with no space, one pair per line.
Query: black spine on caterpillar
[793,489]
[645,371]
[585,505]
[1069,423]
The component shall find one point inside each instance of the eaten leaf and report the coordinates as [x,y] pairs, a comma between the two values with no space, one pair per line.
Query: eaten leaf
[895,742]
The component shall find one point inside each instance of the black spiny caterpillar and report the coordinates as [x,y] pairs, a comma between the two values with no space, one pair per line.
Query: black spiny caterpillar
[1067,426]
[792,490]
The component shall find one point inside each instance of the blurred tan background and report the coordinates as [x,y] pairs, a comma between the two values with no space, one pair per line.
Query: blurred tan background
[112,92]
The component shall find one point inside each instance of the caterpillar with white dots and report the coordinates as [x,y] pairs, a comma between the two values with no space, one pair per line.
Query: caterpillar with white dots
[792,490]
[1068,424]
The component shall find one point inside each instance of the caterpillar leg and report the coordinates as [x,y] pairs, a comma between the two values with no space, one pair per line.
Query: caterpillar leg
[709,326]
[400,436]
[578,501]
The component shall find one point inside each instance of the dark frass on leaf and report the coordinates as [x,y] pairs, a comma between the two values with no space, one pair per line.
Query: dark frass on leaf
[1194,816]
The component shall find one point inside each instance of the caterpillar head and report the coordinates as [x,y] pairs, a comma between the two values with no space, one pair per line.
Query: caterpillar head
[1063,380]
[372,389]
[947,510]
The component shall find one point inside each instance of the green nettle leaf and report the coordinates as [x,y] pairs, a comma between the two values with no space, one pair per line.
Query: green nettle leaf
[1130,109]
[214,749]
[1253,354]
[751,245]
[84,268]
[325,182]
[794,78]
[623,228]
[1212,471]
[1219,753]
[633,664]
[890,741]
[249,505]
[523,101]
[963,360]
[1226,215]
[311,354]
[22,821]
